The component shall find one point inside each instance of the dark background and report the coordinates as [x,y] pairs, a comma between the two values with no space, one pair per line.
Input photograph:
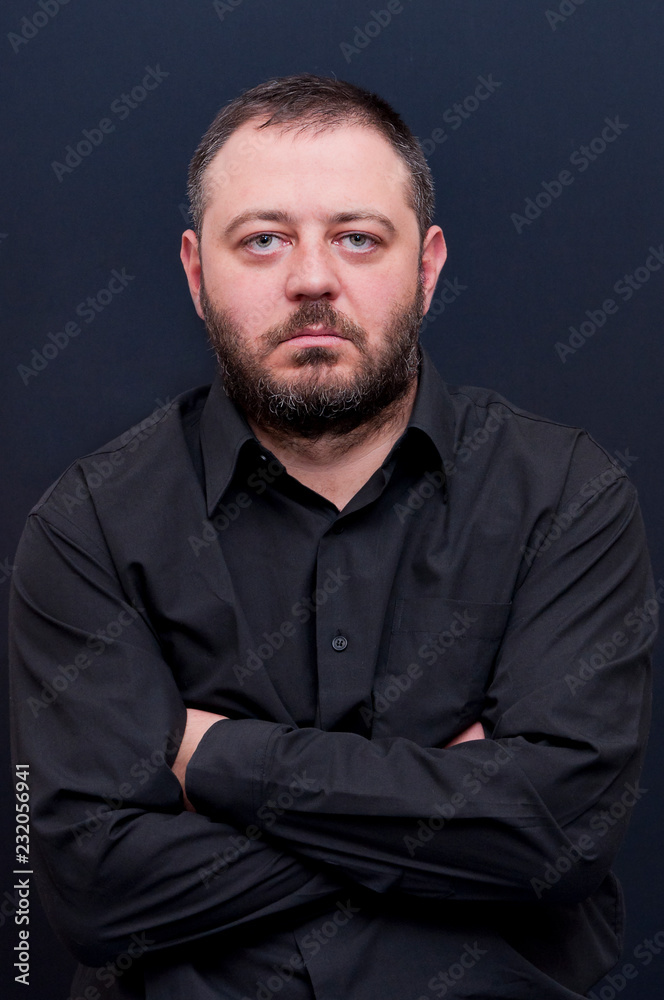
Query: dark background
[123,206]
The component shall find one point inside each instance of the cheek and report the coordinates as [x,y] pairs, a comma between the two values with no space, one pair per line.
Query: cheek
[375,297]
[251,301]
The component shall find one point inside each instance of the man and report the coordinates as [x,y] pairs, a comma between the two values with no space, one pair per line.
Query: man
[332,681]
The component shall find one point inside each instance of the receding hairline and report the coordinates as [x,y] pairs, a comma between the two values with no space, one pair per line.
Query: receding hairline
[308,127]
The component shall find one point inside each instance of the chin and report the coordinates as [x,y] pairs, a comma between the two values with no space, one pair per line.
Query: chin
[310,357]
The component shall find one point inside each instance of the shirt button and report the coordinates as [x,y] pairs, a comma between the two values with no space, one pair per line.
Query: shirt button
[339,642]
[338,528]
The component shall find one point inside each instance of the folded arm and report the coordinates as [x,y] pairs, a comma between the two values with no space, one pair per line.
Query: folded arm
[567,712]
[98,718]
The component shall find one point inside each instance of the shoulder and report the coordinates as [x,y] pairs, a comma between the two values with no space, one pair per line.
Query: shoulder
[529,448]
[154,449]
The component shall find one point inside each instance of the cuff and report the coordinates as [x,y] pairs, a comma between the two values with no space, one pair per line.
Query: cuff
[225,773]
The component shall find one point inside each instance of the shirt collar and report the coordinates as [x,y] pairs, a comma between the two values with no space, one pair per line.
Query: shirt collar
[433,412]
[225,430]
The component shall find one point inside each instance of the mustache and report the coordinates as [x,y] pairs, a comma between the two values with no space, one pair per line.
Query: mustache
[310,314]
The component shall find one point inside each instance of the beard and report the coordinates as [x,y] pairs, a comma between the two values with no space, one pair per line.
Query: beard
[318,400]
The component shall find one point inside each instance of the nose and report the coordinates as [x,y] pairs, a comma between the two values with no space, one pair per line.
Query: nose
[312,271]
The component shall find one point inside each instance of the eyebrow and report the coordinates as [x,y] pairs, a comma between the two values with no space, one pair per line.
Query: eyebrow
[273,215]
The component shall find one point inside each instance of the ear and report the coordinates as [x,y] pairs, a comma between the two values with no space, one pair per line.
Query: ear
[191,262]
[434,255]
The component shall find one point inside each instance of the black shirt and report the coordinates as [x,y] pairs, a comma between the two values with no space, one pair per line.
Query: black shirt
[494,567]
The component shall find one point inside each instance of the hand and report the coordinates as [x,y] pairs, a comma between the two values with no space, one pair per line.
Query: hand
[474,732]
[198,723]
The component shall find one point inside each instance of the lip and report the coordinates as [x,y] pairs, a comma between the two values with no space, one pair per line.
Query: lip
[317,336]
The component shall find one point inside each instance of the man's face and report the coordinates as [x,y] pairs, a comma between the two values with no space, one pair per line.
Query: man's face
[314,290]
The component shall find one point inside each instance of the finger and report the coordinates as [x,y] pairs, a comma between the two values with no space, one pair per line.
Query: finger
[473,732]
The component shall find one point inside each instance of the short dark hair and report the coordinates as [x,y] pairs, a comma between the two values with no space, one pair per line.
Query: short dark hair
[315,103]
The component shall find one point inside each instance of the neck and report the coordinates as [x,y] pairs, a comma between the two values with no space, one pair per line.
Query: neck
[337,465]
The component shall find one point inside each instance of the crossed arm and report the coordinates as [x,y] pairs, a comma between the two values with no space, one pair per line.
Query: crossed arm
[199,721]
[478,819]
[567,712]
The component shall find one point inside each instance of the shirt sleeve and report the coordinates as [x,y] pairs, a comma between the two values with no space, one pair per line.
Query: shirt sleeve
[535,811]
[98,719]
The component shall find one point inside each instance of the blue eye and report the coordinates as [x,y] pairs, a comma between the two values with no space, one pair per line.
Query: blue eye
[269,242]
[359,240]
[257,242]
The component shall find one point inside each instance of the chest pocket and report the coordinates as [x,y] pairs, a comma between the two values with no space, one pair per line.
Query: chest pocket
[438,664]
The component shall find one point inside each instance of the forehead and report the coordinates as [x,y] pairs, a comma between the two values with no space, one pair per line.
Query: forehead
[345,164]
